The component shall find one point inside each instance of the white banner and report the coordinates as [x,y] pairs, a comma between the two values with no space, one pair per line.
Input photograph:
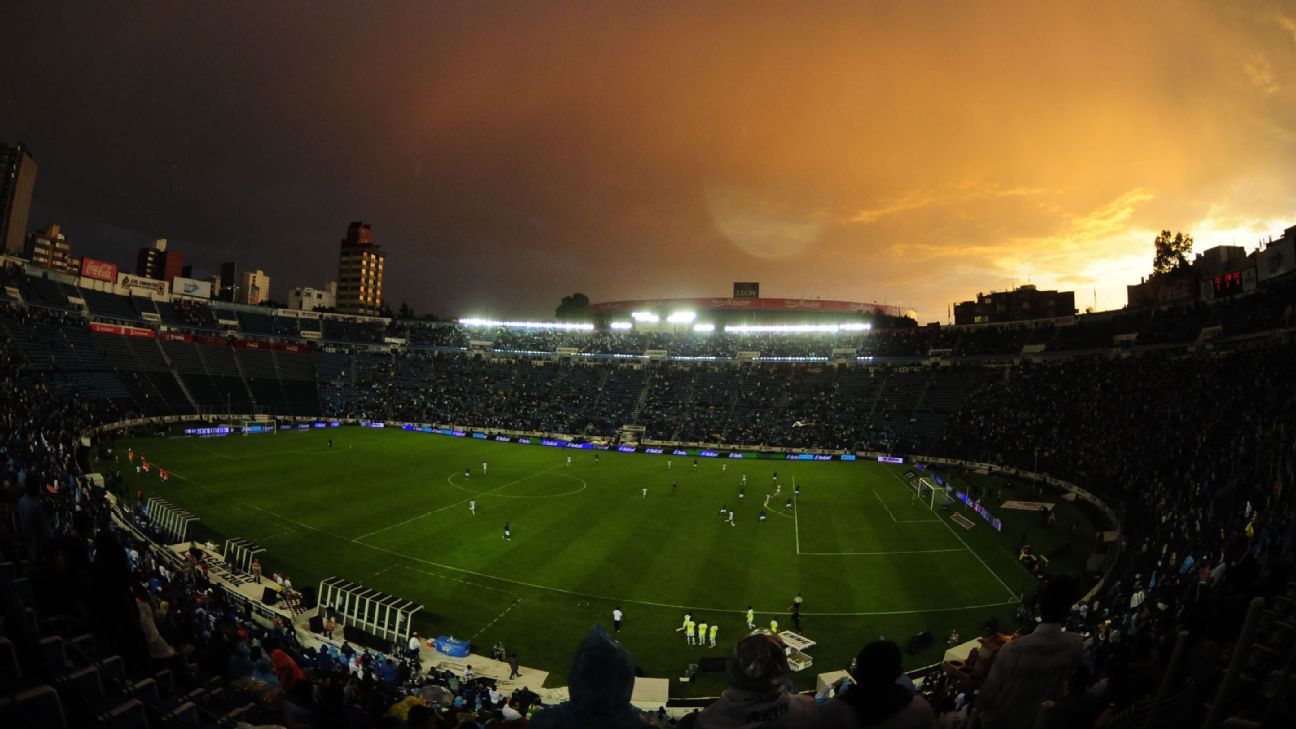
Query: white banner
[191,287]
[138,285]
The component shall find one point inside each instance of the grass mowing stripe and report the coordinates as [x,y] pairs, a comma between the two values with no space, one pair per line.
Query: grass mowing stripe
[573,593]
[660,552]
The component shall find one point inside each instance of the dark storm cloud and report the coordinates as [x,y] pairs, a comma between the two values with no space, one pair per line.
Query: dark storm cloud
[507,154]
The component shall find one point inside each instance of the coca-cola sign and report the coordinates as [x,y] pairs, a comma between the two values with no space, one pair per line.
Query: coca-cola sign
[1175,291]
[97,269]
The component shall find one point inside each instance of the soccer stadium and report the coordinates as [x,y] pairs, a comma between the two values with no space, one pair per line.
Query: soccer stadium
[704,365]
[450,505]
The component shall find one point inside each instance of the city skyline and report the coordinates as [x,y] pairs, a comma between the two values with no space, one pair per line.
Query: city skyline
[509,155]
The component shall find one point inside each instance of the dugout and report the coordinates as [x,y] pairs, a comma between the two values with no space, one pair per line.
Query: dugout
[385,617]
[170,520]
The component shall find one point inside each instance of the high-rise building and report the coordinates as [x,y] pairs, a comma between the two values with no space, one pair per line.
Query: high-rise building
[226,283]
[49,248]
[17,181]
[360,272]
[159,263]
[240,285]
[253,287]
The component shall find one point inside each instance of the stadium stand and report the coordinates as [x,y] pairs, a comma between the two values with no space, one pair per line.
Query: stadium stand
[1187,434]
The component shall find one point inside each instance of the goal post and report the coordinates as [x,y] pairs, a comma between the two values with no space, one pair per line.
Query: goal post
[260,425]
[927,492]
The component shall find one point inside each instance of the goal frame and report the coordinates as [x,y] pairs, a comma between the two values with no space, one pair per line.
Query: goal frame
[263,425]
[927,491]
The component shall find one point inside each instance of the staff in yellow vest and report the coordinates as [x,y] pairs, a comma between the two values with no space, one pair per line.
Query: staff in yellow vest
[774,626]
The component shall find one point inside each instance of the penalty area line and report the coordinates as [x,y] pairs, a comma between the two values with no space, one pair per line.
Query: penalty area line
[965,544]
[902,521]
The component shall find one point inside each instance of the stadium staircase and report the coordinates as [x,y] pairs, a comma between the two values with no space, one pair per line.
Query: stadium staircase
[175,375]
[247,381]
[642,399]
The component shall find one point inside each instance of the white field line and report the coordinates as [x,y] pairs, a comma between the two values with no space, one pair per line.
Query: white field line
[561,591]
[487,626]
[450,506]
[969,549]
[393,526]
[483,493]
[796,514]
[901,521]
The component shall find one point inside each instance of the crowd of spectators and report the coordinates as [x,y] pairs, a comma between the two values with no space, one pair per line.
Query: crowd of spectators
[1195,451]
[788,405]
[156,633]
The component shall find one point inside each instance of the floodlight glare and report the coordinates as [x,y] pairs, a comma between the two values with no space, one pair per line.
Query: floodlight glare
[621,325]
[681,317]
[704,328]
[563,325]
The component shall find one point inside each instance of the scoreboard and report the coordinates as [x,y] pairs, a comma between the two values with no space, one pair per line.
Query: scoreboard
[1228,284]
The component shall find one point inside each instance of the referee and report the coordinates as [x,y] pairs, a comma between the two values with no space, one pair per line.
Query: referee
[795,607]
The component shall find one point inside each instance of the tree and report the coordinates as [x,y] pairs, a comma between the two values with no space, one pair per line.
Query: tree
[1171,252]
[575,306]
[386,310]
[405,311]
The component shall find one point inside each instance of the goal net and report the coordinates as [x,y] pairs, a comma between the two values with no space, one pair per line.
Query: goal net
[260,425]
[927,492]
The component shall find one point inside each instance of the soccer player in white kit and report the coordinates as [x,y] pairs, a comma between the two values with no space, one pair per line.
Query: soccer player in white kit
[645,492]
[483,468]
[472,506]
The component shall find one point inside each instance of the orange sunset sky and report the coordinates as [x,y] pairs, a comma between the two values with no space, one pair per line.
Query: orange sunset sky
[507,154]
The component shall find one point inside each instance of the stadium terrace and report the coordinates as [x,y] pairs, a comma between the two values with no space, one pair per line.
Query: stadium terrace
[223,514]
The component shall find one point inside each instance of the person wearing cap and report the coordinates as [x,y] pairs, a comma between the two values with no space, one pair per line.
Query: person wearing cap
[757,695]
[878,699]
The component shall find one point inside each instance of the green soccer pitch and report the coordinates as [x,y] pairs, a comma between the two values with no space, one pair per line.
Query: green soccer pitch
[390,509]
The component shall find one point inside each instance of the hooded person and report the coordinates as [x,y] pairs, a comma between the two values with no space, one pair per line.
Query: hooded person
[600,683]
[878,698]
[757,695]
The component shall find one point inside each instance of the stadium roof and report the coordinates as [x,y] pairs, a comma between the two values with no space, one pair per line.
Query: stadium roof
[735,304]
